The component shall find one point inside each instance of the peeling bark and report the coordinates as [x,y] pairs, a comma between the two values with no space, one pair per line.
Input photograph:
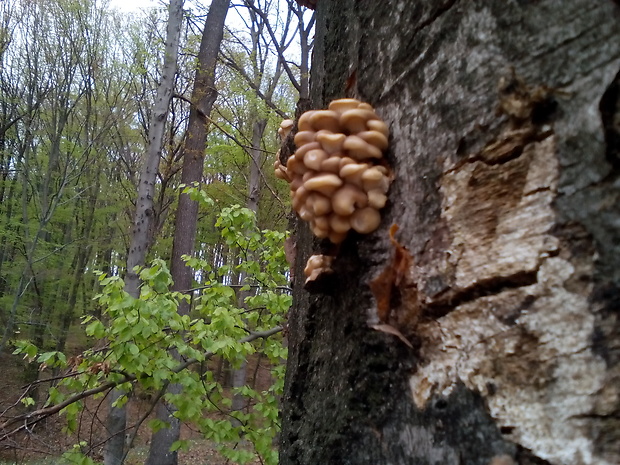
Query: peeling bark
[504,120]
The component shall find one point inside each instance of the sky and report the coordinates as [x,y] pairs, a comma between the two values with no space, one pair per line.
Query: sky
[132,5]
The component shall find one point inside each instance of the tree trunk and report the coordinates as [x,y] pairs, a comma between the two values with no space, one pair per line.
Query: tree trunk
[143,221]
[203,98]
[505,150]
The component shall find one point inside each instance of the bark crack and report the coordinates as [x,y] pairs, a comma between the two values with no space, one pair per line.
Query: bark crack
[449,299]
[442,9]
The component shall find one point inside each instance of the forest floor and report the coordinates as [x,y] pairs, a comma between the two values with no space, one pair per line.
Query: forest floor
[47,441]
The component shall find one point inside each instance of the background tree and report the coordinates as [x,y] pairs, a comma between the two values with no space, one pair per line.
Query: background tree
[202,100]
[504,146]
[144,220]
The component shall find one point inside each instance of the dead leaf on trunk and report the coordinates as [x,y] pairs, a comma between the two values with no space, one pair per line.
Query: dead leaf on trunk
[391,277]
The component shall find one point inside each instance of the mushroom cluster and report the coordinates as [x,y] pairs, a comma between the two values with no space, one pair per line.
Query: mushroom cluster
[317,265]
[337,177]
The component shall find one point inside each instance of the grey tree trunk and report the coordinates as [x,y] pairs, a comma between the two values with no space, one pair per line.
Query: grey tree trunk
[505,148]
[203,98]
[143,221]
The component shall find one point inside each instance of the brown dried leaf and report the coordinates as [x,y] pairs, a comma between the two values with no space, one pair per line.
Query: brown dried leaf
[392,276]
[392,330]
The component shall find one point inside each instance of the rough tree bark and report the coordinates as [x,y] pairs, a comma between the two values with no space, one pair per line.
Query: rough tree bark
[504,119]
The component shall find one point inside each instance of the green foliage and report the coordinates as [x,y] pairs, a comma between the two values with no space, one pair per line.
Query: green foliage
[140,333]
[76,455]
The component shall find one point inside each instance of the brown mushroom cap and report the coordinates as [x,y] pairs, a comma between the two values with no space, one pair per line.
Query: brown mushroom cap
[352,173]
[339,224]
[304,121]
[314,158]
[324,183]
[343,104]
[296,183]
[325,119]
[316,265]
[359,149]
[336,237]
[375,138]
[305,213]
[314,262]
[299,198]
[346,161]
[304,137]
[355,120]
[332,164]
[322,222]
[285,128]
[366,220]
[280,171]
[301,151]
[376,199]
[320,204]
[319,232]
[330,142]
[378,125]
[294,165]
[347,198]
[373,178]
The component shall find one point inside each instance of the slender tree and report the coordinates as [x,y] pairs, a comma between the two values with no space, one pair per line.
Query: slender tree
[143,222]
[202,100]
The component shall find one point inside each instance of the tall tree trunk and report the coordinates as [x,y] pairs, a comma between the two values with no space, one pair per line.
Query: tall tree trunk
[504,145]
[203,97]
[144,215]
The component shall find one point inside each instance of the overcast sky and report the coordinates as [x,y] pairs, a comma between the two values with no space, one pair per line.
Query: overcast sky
[132,5]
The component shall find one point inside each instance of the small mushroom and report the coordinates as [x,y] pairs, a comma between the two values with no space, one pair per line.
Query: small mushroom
[366,220]
[305,213]
[343,104]
[355,120]
[352,173]
[359,149]
[294,165]
[373,178]
[296,183]
[318,231]
[324,183]
[321,205]
[336,237]
[322,221]
[304,137]
[314,158]
[330,142]
[376,199]
[347,198]
[378,125]
[332,164]
[299,198]
[301,151]
[304,121]
[375,138]
[325,119]
[282,173]
[339,224]
[346,161]
[285,128]
[316,265]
